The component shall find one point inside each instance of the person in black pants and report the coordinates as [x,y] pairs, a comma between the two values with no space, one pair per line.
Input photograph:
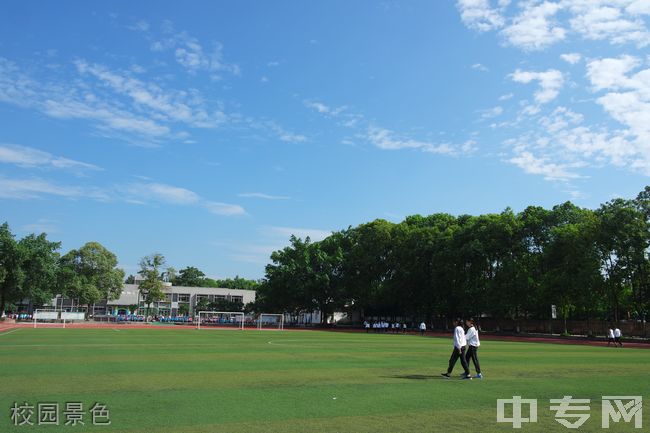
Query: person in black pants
[459,352]
[472,347]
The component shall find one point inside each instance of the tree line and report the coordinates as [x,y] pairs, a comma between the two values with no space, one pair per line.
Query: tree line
[33,269]
[588,263]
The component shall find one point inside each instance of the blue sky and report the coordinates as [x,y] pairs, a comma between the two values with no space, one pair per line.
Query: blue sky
[212,131]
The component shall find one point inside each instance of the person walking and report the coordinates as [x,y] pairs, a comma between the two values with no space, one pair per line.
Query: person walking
[473,343]
[459,352]
[610,337]
[617,337]
[423,328]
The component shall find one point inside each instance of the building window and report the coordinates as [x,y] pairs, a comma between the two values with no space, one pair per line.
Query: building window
[183,297]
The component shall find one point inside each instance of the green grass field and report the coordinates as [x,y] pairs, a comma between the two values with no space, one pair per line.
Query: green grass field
[177,380]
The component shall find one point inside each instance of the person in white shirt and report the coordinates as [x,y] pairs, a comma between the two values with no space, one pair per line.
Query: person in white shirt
[617,337]
[366,325]
[473,343]
[423,328]
[459,351]
[610,337]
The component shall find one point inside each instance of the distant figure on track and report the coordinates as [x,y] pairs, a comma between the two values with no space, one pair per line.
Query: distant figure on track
[617,337]
[459,352]
[472,347]
[610,337]
[423,328]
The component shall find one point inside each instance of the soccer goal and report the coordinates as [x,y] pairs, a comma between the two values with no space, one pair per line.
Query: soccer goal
[56,318]
[49,318]
[221,319]
[270,321]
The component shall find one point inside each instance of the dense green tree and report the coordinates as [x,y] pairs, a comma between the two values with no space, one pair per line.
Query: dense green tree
[90,274]
[515,266]
[40,268]
[151,285]
[11,272]
[189,277]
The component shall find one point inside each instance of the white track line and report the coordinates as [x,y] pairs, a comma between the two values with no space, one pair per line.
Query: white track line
[9,332]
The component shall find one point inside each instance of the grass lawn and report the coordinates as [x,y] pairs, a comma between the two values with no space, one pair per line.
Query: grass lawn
[178,380]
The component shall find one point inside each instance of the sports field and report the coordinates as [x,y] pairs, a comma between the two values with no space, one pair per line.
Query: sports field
[182,380]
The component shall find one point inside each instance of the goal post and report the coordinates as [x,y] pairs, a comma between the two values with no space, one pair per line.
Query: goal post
[221,319]
[270,321]
[48,317]
[58,317]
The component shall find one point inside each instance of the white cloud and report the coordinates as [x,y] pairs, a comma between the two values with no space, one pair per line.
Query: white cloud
[627,100]
[492,112]
[324,109]
[610,73]
[541,166]
[224,209]
[140,26]
[165,104]
[479,15]
[480,67]
[608,22]
[550,83]
[274,129]
[24,156]
[159,192]
[571,58]
[191,54]
[385,139]
[535,27]
[34,188]
[263,196]
[541,23]
[506,96]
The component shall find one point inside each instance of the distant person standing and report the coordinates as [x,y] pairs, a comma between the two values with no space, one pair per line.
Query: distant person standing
[610,337]
[423,328]
[366,325]
[459,352]
[472,347]
[617,337]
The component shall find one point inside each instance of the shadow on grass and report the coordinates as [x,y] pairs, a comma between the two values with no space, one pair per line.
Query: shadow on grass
[416,377]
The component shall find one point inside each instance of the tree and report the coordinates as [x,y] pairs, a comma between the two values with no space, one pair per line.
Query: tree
[90,274]
[623,247]
[130,280]
[189,277]
[11,272]
[40,267]
[151,286]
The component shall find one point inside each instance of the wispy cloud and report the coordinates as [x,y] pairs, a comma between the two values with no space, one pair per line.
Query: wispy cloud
[194,56]
[263,196]
[224,209]
[492,112]
[24,156]
[387,140]
[164,104]
[35,188]
[480,67]
[323,108]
